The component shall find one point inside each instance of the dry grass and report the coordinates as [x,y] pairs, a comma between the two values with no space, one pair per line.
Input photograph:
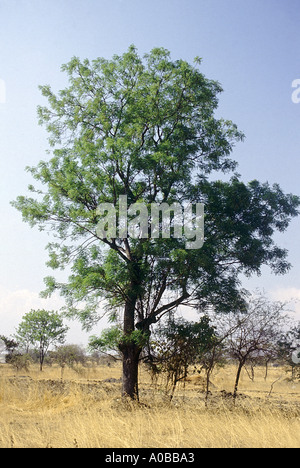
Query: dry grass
[39,411]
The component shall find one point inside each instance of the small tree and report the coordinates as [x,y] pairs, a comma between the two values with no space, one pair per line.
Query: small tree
[41,328]
[20,362]
[213,356]
[288,345]
[179,345]
[68,355]
[254,334]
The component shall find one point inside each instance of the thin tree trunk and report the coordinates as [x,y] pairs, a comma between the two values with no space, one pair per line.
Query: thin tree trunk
[209,370]
[41,357]
[267,368]
[238,375]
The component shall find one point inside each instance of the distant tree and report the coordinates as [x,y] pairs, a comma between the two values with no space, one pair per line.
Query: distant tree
[41,328]
[212,357]
[68,355]
[254,334]
[20,362]
[288,344]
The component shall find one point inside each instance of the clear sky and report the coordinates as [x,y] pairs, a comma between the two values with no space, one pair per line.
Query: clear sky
[251,47]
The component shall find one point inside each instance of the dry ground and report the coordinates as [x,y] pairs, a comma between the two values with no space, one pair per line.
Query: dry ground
[38,410]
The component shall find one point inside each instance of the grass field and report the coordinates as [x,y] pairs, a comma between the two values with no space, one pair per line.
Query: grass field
[38,410]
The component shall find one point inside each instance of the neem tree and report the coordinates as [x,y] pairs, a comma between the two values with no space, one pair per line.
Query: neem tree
[144,127]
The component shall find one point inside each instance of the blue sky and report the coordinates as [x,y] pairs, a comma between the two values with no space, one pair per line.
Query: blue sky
[251,47]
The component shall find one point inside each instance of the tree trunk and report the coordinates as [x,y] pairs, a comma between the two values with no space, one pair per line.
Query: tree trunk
[131,354]
[41,357]
[237,380]
[130,350]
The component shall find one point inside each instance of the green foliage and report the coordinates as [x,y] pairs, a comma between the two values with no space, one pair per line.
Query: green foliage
[41,328]
[112,338]
[108,340]
[145,127]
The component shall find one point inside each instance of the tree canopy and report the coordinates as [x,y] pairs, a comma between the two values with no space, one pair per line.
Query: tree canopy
[145,127]
[41,328]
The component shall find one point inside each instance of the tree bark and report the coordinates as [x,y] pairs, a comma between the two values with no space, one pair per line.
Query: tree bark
[131,353]
[130,350]
[237,380]
[42,356]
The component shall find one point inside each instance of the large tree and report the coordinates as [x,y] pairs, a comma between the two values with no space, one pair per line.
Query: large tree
[145,128]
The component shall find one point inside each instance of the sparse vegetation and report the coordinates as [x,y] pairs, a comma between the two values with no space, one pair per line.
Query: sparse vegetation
[202,384]
[40,410]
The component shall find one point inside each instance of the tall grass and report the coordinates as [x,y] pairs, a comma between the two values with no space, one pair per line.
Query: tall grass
[41,411]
